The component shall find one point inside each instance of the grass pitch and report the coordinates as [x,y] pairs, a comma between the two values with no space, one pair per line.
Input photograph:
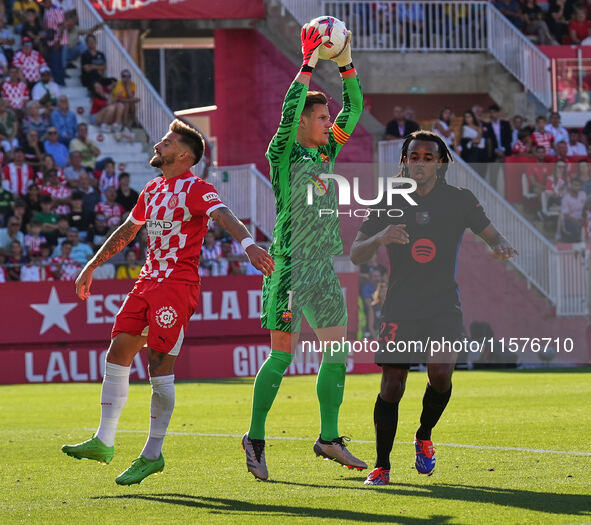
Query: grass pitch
[205,478]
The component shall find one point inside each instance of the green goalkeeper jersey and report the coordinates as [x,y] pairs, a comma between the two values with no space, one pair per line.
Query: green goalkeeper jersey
[301,231]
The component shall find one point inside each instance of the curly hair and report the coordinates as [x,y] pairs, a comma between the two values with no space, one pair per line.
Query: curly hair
[427,136]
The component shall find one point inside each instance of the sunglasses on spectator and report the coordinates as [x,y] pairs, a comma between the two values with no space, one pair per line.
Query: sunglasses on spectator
[14,224]
[52,132]
[125,76]
[101,219]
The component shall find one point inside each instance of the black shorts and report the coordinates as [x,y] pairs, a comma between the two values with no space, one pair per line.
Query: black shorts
[410,342]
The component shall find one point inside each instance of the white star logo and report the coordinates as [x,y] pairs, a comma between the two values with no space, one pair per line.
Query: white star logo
[54,312]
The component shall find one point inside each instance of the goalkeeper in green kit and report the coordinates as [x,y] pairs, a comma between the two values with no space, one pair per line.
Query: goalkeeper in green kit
[305,240]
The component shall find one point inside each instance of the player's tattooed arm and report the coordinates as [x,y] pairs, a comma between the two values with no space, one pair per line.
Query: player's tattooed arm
[118,240]
[501,247]
[364,247]
[258,256]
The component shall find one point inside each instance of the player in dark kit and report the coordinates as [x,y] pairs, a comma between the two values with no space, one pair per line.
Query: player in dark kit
[422,303]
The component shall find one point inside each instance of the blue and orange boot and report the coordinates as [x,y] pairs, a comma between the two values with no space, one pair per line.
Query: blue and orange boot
[425,456]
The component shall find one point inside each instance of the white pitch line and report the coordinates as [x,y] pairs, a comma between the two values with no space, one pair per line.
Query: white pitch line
[456,445]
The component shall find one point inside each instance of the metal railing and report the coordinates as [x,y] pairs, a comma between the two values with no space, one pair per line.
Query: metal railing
[463,25]
[516,53]
[248,193]
[561,276]
[152,112]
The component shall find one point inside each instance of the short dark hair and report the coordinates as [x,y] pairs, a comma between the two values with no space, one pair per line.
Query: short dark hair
[427,136]
[494,107]
[69,243]
[123,175]
[44,198]
[189,136]
[312,98]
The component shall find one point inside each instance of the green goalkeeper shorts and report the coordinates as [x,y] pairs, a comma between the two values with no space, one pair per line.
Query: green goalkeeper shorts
[308,287]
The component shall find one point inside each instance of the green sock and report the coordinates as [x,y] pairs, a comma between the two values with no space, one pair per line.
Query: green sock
[330,386]
[266,386]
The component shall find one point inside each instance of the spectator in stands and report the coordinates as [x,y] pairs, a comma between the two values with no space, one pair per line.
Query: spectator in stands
[20,9]
[500,134]
[558,132]
[109,207]
[46,91]
[55,38]
[517,123]
[91,196]
[98,231]
[103,112]
[473,143]
[6,202]
[14,90]
[88,149]
[557,17]
[575,148]
[211,251]
[571,212]
[35,120]
[94,65]
[555,186]
[19,210]
[46,215]
[535,24]
[16,258]
[60,193]
[33,149]
[32,199]
[34,270]
[442,126]
[55,148]
[541,137]
[108,177]
[399,127]
[56,236]
[538,173]
[524,144]
[228,262]
[6,39]
[511,9]
[584,176]
[77,217]
[32,29]
[64,120]
[8,128]
[131,269]
[64,268]
[11,233]
[75,169]
[578,29]
[587,220]
[561,150]
[81,252]
[48,164]
[76,46]
[18,174]
[34,239]
[30,62]
[126,195]
[3,272]
[124,92]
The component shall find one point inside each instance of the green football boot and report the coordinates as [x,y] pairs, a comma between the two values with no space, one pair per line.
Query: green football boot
[92,448]
[140,469]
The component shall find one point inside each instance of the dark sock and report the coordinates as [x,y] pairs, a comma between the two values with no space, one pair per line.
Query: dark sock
[434,404]
[385,418]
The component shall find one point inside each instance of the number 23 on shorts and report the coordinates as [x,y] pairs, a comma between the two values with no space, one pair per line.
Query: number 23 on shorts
[388,331]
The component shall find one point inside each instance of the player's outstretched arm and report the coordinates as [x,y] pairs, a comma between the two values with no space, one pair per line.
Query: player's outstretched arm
[258,256]
[364,247]
[118,240]
[501,247]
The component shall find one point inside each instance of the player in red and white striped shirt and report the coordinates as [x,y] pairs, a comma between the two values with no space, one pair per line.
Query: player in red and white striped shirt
[18,175]
[175,209]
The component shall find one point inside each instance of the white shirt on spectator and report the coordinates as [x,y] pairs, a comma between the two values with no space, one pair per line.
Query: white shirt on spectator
[32,273]
[40,90]
[578,149]
[105,271]
[560,134]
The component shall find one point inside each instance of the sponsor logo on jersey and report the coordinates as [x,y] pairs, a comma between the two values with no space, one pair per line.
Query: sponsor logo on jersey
[173,202]
[423,250]
[166,317]
[210,196]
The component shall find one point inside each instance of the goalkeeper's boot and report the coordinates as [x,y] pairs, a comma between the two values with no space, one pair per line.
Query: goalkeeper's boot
[337,451]
[139,470]
[425,456]
[378,476]
[255,457]
[92,448]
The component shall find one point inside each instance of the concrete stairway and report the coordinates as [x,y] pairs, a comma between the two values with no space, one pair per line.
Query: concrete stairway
[131,156]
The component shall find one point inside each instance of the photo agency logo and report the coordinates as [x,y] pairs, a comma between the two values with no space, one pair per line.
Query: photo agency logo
[348,194]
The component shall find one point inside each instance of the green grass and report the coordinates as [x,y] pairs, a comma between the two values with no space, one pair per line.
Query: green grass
[205,478]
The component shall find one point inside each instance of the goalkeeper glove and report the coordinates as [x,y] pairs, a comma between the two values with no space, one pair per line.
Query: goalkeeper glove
[344,57]
[311,41]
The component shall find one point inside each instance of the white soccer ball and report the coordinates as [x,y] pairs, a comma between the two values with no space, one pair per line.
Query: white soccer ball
[338,35]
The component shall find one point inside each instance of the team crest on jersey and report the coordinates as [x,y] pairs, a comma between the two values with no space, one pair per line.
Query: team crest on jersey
[324,158]
[210,196]
[166,317]
[286,316]
[173,202]
[423,217]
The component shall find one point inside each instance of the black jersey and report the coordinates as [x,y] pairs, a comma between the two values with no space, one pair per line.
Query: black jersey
[423,273]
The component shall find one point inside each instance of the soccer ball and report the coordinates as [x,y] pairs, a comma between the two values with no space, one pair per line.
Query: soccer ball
[337,33]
